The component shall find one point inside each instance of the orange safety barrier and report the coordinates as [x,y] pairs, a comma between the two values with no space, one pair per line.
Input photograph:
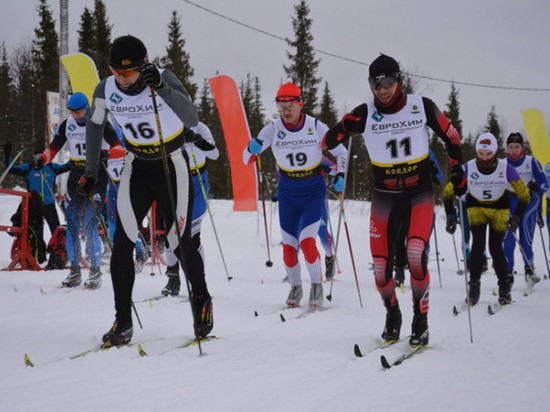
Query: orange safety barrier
[156,255]
[21,251]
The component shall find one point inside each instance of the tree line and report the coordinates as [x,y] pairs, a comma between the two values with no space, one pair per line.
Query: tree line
[33,69]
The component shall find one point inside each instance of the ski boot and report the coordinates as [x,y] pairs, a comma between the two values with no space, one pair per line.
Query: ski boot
[94,278]
[316,295]
[504,294]
[119,334]
[204,316]
[393,324]
[511,279]
[420,335]
[531,277]
[295,296]
[173,286]
[73,279]
[473,292]
[329,267]
[399,276]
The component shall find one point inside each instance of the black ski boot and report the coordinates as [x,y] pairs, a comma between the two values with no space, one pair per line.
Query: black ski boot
[173,286]
[504,294]
[94,278]
[511,279]
[119,334]
[204,316]
[420,335]
[399,276]
[393,324]
[73,279]
[531,277]
[473,292]
[329,267]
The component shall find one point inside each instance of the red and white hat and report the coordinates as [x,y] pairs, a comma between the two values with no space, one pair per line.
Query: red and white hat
[487,141]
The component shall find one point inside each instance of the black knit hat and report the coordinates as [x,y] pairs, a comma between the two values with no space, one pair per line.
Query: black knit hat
[384,65]
[127,52]
[515,138]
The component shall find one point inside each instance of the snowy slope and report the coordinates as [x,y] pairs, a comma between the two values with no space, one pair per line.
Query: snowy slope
[260,363]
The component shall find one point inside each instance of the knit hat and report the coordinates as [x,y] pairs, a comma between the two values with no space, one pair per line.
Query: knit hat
[384,65]
[288,92]
[128,53]
[515,138]
[487,141]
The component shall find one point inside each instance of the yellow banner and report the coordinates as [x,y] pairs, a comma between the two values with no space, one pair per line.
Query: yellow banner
[82,73]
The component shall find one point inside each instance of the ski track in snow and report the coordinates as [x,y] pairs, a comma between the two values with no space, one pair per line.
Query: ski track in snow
[260,363]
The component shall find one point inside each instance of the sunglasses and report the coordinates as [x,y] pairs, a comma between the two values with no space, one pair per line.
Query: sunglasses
[383,81]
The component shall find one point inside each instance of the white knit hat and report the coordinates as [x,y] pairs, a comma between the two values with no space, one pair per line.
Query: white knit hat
[487,141]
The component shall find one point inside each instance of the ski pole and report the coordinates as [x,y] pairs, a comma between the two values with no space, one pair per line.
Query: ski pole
[529,262]
[460,207]
[545,254]
[331,240]
[259,173]
[173,205]
[458,270]
[351,252]
[437,251]
[5,173]
[203,190]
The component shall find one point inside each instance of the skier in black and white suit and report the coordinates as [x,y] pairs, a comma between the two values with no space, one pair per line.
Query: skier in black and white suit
[126,95]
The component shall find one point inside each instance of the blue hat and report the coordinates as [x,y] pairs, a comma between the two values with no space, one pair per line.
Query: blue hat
[77,101]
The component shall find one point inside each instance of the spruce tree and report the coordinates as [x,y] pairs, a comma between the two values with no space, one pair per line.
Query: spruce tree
[6,98]
[102,39]
[493,127]
[328,113]
[177,59]
[303,65]
[45,57]
[86,33]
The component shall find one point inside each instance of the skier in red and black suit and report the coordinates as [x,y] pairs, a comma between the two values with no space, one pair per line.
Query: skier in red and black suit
[395,128]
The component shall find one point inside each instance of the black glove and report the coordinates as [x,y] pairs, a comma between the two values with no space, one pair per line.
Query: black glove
[533,187]
[451,223]
[86,185]
[151,75]
[540,221]
[189,136]
[38,161]
[458,180]
[513,223]
[202,144]
[7,153]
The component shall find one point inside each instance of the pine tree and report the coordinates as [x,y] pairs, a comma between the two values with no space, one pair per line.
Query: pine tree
[493,127]
[45,57]
[102,39]
[303,66]
[177,59]
[86,33]
[6,97]
[328,113]
[453,109]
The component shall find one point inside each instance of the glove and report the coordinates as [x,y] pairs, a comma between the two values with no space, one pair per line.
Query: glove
[189,136]
[38,161]
[512,223]
[533,187]
[86,185]
[274,198]
[451,223]
[7,153]
[151,75]
[255,146]
[338,182]
[458,180]
[540,221]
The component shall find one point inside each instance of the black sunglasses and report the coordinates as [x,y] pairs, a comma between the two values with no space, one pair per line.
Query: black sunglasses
[384,81]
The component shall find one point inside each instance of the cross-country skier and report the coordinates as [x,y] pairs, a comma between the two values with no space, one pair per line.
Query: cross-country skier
[488,204]
[530,171]
[204,147]
[295,140]
[79,210]
[395,128]
[127,96]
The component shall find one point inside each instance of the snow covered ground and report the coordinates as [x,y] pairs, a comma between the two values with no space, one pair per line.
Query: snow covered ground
[261,363]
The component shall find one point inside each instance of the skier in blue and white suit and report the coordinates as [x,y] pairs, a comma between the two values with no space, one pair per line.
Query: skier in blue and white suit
[295,140]
[530,171]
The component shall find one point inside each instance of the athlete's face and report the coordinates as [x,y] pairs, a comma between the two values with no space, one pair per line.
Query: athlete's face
[384,92]
[125,78]
[78,115]
[290,111]
[514,149]
[485,154]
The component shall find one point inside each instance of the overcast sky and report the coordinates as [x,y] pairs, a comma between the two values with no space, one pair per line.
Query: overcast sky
[492,42]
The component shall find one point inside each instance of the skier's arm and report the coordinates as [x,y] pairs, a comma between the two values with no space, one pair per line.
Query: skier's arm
[57,143]
[265,137]
[94,129]
[174,94]
[353,122]
[59,169]
[520,190]
[206,142]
